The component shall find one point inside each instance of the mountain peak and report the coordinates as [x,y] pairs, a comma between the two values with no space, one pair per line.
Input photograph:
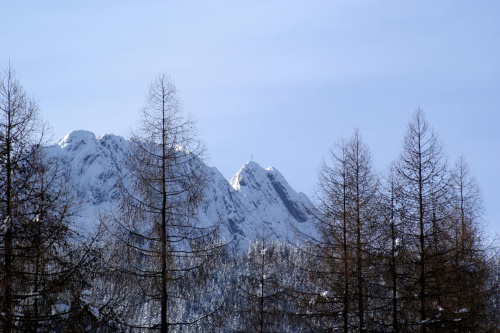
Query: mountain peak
[96,167]
[250,174]
[76,138]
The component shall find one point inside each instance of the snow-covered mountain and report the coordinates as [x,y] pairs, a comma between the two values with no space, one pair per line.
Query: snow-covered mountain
[254,200]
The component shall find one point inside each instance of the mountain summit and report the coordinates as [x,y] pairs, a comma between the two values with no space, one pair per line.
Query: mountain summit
[255,199]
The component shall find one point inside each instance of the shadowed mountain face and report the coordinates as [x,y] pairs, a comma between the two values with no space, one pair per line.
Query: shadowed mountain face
[255,198]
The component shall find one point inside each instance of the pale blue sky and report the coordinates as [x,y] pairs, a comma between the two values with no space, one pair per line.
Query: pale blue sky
[279,80]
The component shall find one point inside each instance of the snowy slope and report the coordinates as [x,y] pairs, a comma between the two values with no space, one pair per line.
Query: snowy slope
[255,199]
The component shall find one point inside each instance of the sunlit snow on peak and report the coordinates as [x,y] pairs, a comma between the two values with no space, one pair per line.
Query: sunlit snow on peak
[95,168]
[76,137]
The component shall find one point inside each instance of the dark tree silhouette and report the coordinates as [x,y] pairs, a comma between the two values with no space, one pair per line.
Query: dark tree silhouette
[162,246]
[40,258]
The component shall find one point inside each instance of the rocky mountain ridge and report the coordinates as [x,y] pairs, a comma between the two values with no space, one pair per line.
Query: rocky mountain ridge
[255,199]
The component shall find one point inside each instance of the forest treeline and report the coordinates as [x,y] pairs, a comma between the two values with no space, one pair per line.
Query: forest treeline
[404,251]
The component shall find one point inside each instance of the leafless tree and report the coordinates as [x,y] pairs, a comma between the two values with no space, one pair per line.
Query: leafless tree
[425,196]
[261,297]
[471,267]
[163,247]
[39,255]
[347,223]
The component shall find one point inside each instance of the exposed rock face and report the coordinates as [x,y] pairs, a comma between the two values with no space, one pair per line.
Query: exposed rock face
[255,198]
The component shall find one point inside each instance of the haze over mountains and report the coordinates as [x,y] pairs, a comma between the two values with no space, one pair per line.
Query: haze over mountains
[254,200]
